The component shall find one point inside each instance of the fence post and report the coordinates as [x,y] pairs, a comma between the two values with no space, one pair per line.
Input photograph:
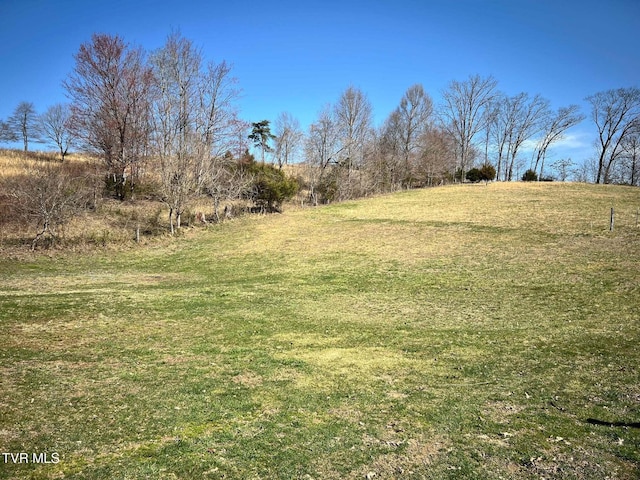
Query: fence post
[611,221]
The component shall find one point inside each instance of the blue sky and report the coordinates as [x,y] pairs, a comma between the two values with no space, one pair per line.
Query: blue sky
[296,56]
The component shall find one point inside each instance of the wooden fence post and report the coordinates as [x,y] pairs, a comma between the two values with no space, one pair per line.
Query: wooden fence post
[611,221]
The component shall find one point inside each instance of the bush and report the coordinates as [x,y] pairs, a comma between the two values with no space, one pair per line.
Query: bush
[113,187]
[486,173]
[327,189]
[474,175]
[47,197]
[530,176]
[271,187]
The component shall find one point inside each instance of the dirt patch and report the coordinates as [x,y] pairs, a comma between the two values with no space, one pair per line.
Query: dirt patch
[248,379]
[499,412]
[418,456]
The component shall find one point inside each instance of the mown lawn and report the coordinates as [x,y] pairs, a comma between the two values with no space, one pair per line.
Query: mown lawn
[457,332]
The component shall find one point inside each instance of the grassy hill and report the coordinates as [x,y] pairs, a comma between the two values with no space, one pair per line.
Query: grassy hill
[457,332]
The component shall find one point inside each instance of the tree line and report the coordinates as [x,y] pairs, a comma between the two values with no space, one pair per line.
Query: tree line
[172,112]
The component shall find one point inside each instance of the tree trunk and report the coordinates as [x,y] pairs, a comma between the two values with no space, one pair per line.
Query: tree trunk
[216,208]
[45,229]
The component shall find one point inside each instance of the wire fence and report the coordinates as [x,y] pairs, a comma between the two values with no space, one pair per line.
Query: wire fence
[624,218]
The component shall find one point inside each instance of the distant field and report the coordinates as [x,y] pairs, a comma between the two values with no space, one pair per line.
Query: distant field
[457,332]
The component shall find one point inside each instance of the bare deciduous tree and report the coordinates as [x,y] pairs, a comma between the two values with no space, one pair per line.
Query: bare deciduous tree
[176,69]
[515,120]
[631,158]
[193,121]
[562,167]
[553,128]
[462,113]
[6,134]
[528,115]
[24,123]
[55,126]
[391,167]
[400,140]
[500,118]
[321,150]
[226,181]
[288,138]
[47,197]
[109,88]
[437,157]
[353,116]
[415,110]
[616,114]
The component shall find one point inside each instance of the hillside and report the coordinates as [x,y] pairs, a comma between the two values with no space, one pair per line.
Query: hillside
[456,332]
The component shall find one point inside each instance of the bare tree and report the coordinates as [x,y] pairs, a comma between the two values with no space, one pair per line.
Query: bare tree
[217,115]
[6,133]
[500,118]
[437,156]
[288,137]
[55,125]
[391,167]
[227,180]
[238,138]
[24,123]
[47,197]
[321,150]
[109,88]
[562,167]
[415,110]
[462,113]
[631,158]
[193,121]
[401,135]
[554,127]
[176,69]
[353,116]
[515,120]
[528,115]
[616,114]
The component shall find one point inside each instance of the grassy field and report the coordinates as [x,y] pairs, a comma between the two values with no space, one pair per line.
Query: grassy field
[457,332]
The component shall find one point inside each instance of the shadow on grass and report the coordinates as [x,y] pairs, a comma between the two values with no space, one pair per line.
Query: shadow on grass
[594,421]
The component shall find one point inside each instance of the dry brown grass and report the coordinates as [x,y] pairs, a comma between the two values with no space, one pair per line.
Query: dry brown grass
[112,223]
[18,162]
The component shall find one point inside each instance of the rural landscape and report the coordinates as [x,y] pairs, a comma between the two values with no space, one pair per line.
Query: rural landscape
[464,331]
[188,294]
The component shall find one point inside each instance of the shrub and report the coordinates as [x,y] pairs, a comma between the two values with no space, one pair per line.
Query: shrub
[271,187]
[530,176]
[326,190]
[47,197]
[487,172]
[474,175]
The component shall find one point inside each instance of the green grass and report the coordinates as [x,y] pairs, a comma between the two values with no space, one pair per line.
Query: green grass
[458,332]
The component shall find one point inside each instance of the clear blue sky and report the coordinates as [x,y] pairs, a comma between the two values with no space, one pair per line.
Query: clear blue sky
[297,56]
